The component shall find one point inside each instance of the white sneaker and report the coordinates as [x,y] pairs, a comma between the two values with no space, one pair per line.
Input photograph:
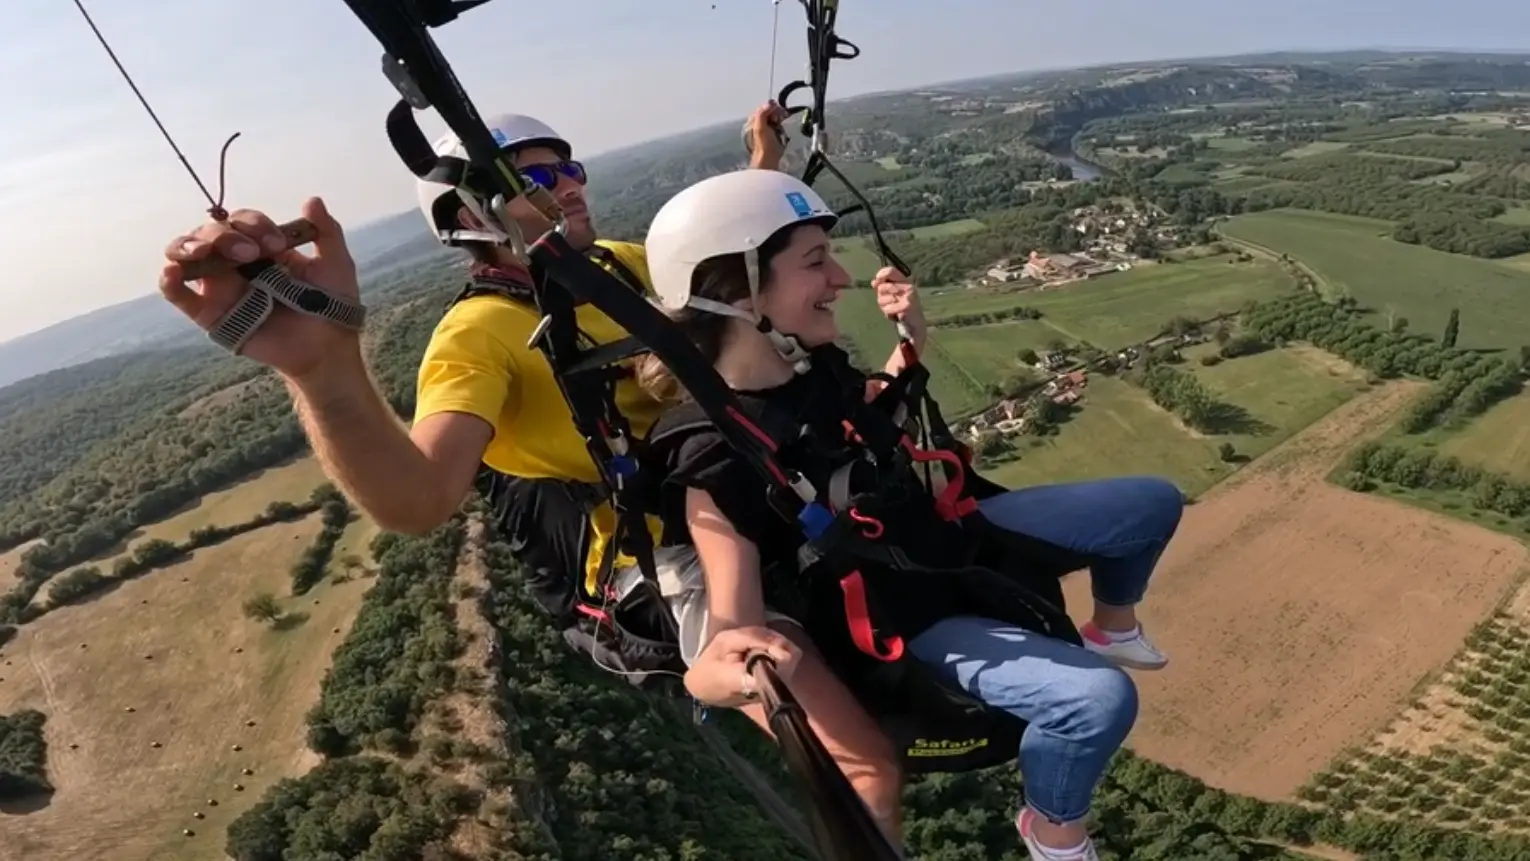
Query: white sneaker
[1023,823]
[1124,649]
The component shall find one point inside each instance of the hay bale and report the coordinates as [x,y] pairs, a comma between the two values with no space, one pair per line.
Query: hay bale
[74,747]
[155,744]
[238,787]
[130,710]
[249,723]
[148,657]
[247,771]
[239,651]
[236,748]
[84,645]
[212,802]
[337,630]
[188,832]
[199,815]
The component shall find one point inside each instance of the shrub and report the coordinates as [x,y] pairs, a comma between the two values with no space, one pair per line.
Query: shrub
[23,755]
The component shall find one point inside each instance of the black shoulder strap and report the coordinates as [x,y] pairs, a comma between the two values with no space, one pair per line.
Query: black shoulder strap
[688,418]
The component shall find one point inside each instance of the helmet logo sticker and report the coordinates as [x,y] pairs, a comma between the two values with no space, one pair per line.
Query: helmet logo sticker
[799,204]
[500,137]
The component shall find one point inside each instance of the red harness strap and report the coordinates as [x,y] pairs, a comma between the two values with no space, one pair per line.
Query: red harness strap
[949,504]
[858,616]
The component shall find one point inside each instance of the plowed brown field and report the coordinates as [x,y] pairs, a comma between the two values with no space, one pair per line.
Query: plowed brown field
[1299,616]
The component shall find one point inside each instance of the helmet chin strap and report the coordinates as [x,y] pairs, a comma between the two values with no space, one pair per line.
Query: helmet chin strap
[787,346]
[491,228]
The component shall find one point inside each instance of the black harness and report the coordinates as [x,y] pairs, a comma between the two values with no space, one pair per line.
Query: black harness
[902,550]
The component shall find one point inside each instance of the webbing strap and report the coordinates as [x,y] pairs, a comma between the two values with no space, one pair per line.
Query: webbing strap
[858,618]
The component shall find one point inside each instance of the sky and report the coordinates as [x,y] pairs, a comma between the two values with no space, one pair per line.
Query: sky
[90,194]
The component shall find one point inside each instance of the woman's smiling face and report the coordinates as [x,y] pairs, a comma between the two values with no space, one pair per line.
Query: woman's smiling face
[804,281]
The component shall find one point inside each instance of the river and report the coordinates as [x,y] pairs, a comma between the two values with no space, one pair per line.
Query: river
[1083,171]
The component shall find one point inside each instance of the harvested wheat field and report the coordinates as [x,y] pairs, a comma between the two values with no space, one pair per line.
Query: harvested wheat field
[169,659]
[1299,616]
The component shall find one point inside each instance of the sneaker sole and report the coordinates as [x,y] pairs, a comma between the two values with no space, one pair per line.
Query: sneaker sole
[1126,662]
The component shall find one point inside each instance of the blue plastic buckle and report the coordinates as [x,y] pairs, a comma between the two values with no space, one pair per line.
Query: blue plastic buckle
[815,519]
[623,466]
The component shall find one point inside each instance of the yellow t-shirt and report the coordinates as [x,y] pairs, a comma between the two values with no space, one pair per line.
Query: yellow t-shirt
[478,363]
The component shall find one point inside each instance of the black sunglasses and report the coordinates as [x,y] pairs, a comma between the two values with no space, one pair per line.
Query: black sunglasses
[547,175]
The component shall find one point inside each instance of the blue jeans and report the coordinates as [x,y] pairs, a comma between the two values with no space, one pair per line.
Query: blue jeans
[1124,523]
[1078,705]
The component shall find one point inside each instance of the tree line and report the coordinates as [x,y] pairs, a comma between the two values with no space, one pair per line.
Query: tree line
[1500,147]
[1184,395]
[1353,169]
[1458,235]
[16,605]
[361,807]
[1418,468]
[1457,397]
[957,321]
[397,656]
[1337,328]
[335,512]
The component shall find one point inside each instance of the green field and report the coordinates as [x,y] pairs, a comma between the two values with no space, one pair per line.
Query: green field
[1281,391]
[1315,148]
[859,256]
[1497,440]
[875,338]
[1516,215]
[990,352]
[1227,144]
[1354,256]
[1116,431]
[1124,308]
[948,228]
[1243,184]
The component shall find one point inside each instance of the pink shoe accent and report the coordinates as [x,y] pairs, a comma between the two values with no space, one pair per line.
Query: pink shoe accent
[1023,821]
[1093,634]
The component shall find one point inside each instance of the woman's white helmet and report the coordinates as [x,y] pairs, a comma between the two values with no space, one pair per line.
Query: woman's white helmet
[733,213]
[727,214]
[440,202]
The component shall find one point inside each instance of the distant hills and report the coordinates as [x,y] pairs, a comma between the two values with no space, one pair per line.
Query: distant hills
[625,185]
[149,322]
[386,243]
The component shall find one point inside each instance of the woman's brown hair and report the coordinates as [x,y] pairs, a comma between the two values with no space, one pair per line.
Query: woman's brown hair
[722,279]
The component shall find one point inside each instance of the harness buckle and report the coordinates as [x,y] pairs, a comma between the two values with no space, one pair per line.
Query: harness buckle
[408,89]
[815,520]
[622,466]
[803,488]
[539,332]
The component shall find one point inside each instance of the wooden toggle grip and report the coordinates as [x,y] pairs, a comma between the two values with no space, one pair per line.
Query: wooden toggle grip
[298,232]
